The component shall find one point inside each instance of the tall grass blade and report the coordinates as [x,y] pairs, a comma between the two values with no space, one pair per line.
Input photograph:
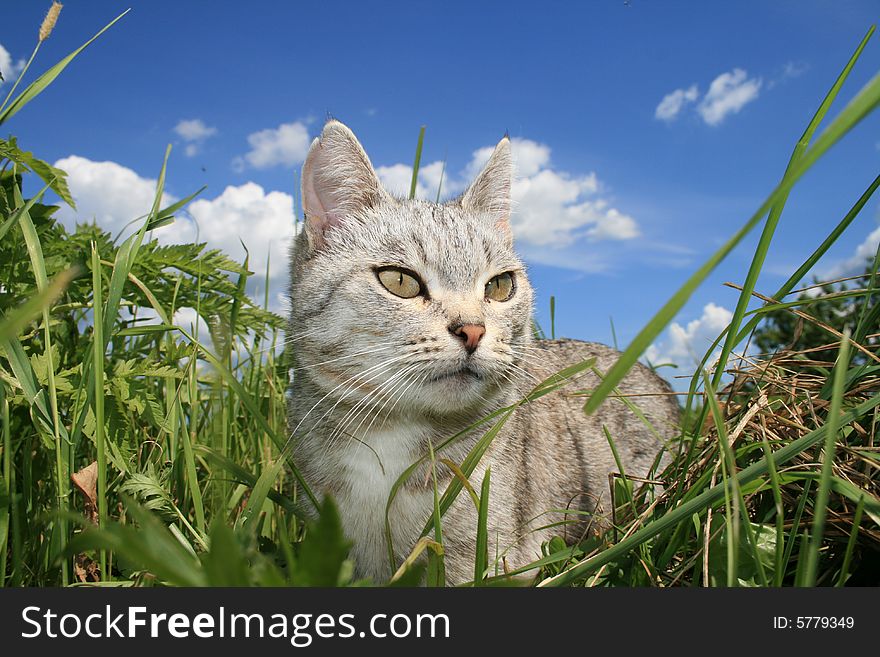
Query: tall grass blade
[858,108]
[15,321]
[436,573]
[252,408]
[126,256]
[62,461]
[481,556]
[415,174]
[39,85]
[851,544]
[98,371]
[5,483]
[821,505]
[776,212]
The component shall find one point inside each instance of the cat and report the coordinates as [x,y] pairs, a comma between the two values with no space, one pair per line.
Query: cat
[409,322]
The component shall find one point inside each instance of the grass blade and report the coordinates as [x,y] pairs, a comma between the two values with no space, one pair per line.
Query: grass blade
[851,543]
[62,461]
[864,103]
[20,317]
[415,173]
[776,212]
[98,372]
[6,509]
[252,408]
[39,85]
[481,557]
[821,505]
[251,513]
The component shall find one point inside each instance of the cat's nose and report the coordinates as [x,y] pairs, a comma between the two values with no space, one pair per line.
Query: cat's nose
[469,334]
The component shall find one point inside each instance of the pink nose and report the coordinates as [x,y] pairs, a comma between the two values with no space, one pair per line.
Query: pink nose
[470,335]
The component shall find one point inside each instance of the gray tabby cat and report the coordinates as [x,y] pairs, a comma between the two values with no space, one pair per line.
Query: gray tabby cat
[410,321]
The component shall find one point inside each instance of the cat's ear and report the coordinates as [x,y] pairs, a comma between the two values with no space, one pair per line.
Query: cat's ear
[490,193]
[338,181]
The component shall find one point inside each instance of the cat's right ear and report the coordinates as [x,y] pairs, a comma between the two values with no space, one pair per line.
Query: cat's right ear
[338,182]
[489,194]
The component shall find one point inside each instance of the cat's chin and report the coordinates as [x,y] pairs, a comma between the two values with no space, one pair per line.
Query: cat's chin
[463,390]
[460,376]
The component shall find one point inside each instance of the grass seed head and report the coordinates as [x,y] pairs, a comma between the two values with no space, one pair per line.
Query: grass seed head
[49,22]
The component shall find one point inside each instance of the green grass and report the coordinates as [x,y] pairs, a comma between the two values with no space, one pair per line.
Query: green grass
[186,432]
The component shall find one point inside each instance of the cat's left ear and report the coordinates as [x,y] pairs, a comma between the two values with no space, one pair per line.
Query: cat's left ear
[338,182]
[490,192]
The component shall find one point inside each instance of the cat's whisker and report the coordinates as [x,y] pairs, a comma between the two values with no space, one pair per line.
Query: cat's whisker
[338,358]
[507,378]
[371,395]
[400,396]
[387,396]
[537,364]
[290,339]
[416,381]
[364,406]
[350,389]
[353,380]
[524,372]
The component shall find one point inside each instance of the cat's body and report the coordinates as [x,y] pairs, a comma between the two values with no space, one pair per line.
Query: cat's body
[411,321]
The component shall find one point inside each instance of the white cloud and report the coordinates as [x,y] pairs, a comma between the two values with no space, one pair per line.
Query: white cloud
[397,179]
[685,346]
[552,209]
[728,94]
[106,192]
[856,263]
[194,130]
[674,102]
[245,213]
[9,68]
[794,69]
[286,145]
[114,195]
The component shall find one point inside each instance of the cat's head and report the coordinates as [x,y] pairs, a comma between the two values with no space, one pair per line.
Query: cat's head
[404,304]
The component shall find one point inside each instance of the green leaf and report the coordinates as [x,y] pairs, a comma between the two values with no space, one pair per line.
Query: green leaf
[323,552]
[251,513]
[145,545]
[747,571]
[55,179]
[225,563]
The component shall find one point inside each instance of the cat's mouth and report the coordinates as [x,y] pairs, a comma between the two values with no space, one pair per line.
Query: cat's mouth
[459,374]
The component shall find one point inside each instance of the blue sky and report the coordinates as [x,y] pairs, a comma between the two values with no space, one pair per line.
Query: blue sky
[646,132]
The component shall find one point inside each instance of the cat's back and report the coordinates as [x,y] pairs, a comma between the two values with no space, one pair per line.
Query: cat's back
[639,416]
[642,386]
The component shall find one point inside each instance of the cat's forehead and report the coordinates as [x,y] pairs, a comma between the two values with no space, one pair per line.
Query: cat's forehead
[443,240]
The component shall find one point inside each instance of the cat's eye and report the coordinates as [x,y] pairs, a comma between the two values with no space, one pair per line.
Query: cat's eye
[400,282]
[500,288]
